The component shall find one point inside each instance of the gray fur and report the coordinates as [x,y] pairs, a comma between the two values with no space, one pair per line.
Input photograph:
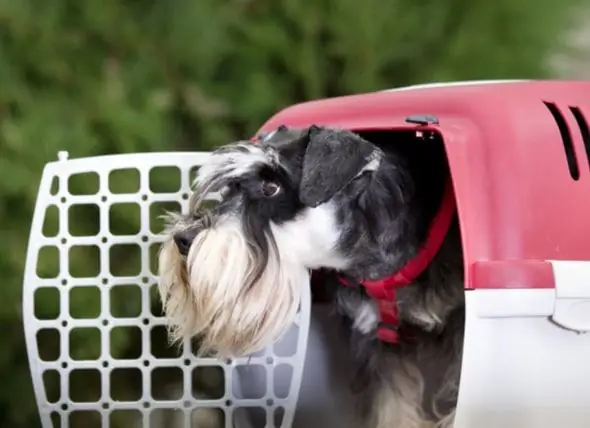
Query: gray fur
[332,160]
[385,216]
[433,304]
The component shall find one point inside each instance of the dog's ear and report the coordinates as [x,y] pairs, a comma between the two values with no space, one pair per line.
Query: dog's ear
[333,158]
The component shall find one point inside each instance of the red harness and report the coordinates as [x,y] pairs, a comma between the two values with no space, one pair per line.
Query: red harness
[384,290]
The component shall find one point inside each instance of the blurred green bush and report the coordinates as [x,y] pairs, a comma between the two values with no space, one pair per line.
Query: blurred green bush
[97,77]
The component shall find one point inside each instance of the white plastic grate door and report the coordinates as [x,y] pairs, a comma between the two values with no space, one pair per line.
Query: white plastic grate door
[94,328]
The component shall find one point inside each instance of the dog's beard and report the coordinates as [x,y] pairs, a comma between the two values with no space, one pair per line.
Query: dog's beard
[234,298]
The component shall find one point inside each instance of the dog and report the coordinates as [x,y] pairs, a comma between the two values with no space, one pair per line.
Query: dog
[328,200]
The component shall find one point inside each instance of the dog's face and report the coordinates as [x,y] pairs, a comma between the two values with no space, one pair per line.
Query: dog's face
[231,275]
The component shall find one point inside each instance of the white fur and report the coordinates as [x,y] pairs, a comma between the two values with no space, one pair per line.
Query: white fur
[209,298]
[366,317]
[373,162]
[213,301]
[235,163]
[311,238]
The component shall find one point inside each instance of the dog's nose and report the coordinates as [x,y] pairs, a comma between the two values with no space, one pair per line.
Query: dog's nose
[183,241]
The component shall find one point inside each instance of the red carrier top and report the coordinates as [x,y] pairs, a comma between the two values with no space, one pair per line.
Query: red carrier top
[519,154]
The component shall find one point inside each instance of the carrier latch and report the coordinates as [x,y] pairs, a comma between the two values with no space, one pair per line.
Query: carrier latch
[572,295]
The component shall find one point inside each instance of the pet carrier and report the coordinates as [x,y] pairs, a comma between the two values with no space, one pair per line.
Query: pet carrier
[519,155]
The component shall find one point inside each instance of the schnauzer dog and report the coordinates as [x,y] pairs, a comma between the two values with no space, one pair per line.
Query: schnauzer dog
[376,220]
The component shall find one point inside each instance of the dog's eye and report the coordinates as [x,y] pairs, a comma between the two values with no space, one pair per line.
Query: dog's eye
[270,188]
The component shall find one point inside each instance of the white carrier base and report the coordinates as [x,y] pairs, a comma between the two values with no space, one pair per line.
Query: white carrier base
[520,368]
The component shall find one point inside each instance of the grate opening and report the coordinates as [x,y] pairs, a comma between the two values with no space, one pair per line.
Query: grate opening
[84,385]
[51,381]
[51,222]
[120,417]
[83,184]
[124,181]
[48,341]
[89,418]
[584,130]
[566,138]
[125,384]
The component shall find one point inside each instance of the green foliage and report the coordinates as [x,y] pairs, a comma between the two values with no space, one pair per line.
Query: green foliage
[97,77]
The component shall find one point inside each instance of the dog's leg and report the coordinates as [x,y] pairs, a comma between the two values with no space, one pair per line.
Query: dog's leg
[445,400]
[447,393]
[399,401]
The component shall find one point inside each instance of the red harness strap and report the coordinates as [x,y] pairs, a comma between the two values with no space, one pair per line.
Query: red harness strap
[384,290]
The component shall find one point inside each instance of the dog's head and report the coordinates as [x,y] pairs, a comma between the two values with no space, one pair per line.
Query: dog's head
[231,275]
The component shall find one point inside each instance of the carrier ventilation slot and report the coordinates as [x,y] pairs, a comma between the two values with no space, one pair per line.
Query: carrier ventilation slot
[566,138]
[584,130]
